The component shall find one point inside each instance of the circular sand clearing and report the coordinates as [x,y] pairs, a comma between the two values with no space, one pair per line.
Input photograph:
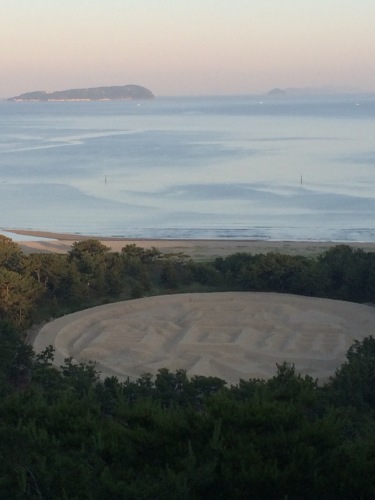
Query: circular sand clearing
[229,335]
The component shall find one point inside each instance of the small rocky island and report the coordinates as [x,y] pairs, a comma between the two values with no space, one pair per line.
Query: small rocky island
[125,92]
[277,93]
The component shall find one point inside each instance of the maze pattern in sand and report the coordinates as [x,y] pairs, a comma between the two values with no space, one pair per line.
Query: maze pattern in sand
[230,335]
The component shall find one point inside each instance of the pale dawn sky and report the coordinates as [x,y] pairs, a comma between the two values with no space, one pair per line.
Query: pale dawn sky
[186,47]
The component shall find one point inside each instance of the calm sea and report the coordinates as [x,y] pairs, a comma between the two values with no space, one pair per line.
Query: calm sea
[215,167]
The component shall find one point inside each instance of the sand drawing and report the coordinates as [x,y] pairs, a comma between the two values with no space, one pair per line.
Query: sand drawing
[230,335]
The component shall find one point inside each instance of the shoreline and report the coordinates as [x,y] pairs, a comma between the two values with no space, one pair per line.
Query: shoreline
[200,249]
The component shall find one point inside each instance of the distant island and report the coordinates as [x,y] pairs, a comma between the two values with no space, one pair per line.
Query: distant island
[312,91]
[125,92]
[276,93]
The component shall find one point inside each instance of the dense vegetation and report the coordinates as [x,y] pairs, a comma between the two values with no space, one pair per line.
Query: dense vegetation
[38,286]
[64,434]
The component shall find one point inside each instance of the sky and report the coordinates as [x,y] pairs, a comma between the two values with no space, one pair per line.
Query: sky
[187,47]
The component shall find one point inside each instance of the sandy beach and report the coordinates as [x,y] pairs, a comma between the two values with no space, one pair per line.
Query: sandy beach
[230,335]
[196,249]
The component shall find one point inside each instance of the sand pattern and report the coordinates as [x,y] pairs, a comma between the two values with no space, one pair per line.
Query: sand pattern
[230,335]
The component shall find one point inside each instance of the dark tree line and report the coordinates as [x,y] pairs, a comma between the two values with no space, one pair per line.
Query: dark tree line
[38,286]
[339,273]
[65,434]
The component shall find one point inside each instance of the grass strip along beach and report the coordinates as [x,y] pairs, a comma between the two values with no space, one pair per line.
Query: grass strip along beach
[197,249]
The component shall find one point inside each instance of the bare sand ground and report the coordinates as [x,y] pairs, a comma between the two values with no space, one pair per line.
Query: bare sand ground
[230,335]
[196,249]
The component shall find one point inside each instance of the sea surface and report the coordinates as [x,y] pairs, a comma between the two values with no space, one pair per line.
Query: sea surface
[247,167]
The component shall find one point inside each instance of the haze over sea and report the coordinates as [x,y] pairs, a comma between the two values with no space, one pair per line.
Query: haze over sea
[208,167]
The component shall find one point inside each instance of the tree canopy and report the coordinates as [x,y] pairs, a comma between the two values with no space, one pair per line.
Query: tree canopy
[65,433]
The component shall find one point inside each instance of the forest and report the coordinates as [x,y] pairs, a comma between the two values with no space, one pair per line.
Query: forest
[67,434]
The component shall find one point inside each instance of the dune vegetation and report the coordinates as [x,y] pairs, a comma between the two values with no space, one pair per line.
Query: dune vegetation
[64,433]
